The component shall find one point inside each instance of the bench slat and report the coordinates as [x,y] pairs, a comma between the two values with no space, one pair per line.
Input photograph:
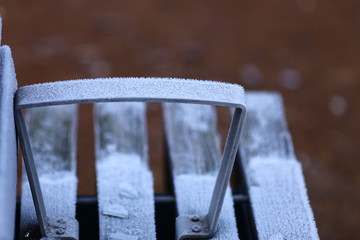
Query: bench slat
[275,181]
[8,151]
[124,181]
[194,147]
[52,131]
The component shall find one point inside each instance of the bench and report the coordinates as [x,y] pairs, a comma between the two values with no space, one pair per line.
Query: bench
[267,199]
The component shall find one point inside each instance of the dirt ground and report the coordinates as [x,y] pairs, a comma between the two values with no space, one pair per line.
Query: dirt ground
[308,50]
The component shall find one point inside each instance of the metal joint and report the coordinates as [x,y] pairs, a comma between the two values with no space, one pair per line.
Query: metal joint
[62,228]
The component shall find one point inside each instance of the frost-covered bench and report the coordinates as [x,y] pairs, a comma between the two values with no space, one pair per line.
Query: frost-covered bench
[268,201]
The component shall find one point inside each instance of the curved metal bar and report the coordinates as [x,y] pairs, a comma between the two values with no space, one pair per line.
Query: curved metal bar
[142,90]
[130,90]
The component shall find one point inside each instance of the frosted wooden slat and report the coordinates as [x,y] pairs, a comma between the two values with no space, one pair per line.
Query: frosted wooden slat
[124,181]
[8,151]
[275,181]
[194,147]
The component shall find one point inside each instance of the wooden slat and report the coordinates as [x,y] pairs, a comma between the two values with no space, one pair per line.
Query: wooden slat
[8,151]
[275,181]
[124,181]
[194,147]
[52,132]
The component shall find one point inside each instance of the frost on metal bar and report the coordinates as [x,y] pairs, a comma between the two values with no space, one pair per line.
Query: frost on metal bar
[124,181]
[8,152]
[52,131]
[275,181]
[194,147]
[130,90]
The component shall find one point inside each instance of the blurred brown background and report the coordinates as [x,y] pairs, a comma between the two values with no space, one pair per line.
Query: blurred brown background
[306,49]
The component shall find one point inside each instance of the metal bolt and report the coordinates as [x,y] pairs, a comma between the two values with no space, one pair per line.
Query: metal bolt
[195,218]
[60,231]
[196,228]
[61,220]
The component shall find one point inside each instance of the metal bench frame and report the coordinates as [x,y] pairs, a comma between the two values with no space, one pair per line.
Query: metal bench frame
[137,90]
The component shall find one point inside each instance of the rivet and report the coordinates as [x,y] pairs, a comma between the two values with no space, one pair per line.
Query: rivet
[61,220]
[195,218]
[60,231]
[196,228]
